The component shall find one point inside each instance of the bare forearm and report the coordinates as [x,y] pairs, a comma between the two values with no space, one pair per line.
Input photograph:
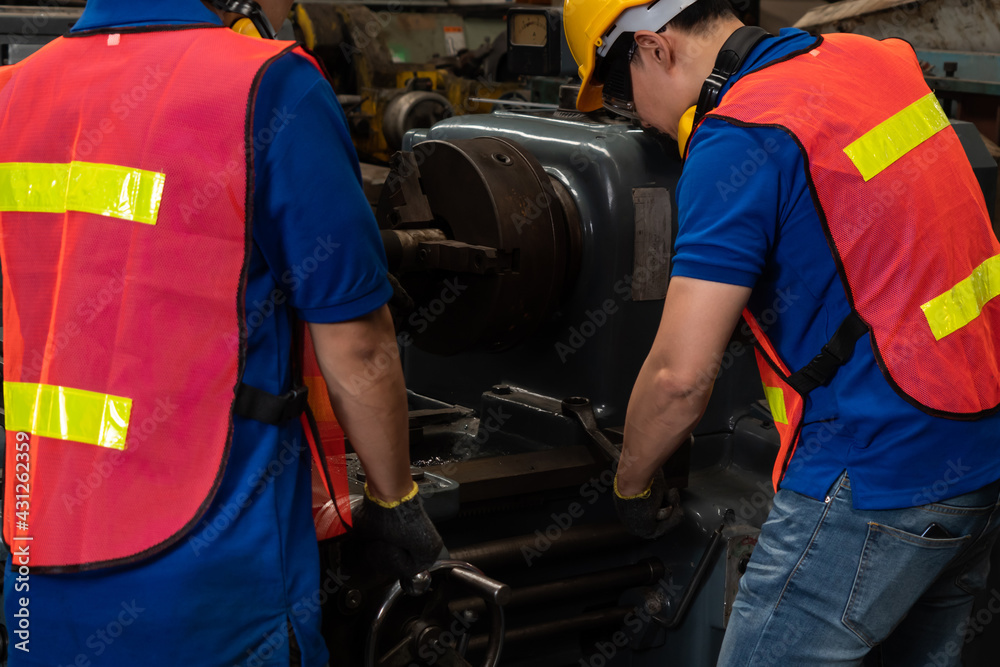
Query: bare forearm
[361,367]
[662,412]
[675,383]
[375,420]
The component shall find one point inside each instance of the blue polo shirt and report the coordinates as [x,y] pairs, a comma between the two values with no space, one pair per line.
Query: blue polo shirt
[746,217]
[226,594]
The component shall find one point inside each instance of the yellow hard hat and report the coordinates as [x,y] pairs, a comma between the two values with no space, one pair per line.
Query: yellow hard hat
[593,26]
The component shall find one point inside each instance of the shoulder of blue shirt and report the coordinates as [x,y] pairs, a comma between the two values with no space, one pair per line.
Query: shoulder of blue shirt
[732,185]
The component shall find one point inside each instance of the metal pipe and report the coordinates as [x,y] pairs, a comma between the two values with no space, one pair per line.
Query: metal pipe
[514,103]
[612,580]
[571,542]
[701,573]
[589,621]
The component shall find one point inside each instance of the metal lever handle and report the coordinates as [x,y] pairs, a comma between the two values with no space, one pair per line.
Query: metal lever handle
[492,589]
[580,407]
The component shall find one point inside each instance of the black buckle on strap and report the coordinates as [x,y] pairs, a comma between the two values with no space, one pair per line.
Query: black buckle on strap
[835,354]
[263,406]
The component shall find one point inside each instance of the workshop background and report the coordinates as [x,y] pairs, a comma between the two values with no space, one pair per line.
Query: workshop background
[535,243]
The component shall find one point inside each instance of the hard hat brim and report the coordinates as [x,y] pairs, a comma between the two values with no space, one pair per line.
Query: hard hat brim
[590,97]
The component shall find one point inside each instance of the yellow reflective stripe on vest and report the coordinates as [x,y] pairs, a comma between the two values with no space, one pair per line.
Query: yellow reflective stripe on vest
[892,139]
[66,413]
[101,189]
[964,302]
[776,399]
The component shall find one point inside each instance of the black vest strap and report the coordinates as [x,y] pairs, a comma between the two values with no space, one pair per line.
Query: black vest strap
[731,57]
[835,354]
[263,406]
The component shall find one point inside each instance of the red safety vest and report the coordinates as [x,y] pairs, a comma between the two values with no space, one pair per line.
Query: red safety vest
[125,189]
[904,217]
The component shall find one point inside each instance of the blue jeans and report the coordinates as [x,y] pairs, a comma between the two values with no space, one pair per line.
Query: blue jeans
[827,583]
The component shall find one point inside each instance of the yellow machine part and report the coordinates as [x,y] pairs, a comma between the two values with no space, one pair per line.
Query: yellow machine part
[376,77]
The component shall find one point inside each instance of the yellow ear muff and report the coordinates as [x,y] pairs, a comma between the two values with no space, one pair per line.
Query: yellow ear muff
[684,129]
[246,27]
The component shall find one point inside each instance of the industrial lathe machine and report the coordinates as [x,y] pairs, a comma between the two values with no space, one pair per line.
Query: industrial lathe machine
[536,250]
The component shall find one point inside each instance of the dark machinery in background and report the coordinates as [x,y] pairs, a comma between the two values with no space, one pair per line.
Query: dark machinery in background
[397,67]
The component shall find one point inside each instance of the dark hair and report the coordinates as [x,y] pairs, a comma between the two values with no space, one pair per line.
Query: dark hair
[696,16]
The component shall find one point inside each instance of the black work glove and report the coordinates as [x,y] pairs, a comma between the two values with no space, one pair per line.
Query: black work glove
[401,541]
[645,515]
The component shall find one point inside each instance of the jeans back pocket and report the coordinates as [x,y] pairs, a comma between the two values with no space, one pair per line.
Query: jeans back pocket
[895,569]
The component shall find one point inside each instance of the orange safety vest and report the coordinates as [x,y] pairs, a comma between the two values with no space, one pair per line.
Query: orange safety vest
[331,500]
[904,217]
[125,195]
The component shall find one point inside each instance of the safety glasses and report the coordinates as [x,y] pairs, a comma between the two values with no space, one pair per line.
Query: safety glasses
[615,73]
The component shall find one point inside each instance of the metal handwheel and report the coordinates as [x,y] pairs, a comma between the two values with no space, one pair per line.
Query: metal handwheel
[437,634]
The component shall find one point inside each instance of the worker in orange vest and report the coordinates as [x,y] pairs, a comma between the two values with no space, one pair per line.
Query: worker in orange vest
[174,198]
[827,199]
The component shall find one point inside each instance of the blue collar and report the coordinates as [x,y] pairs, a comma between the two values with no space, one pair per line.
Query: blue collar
[122,13]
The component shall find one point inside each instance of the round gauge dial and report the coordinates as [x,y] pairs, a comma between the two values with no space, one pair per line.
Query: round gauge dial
[529,30]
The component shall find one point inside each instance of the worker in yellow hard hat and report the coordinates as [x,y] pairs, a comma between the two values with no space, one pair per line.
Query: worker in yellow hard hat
[811,202]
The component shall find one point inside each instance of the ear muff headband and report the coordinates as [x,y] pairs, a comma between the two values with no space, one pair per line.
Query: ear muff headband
[252,11]
[731,57]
